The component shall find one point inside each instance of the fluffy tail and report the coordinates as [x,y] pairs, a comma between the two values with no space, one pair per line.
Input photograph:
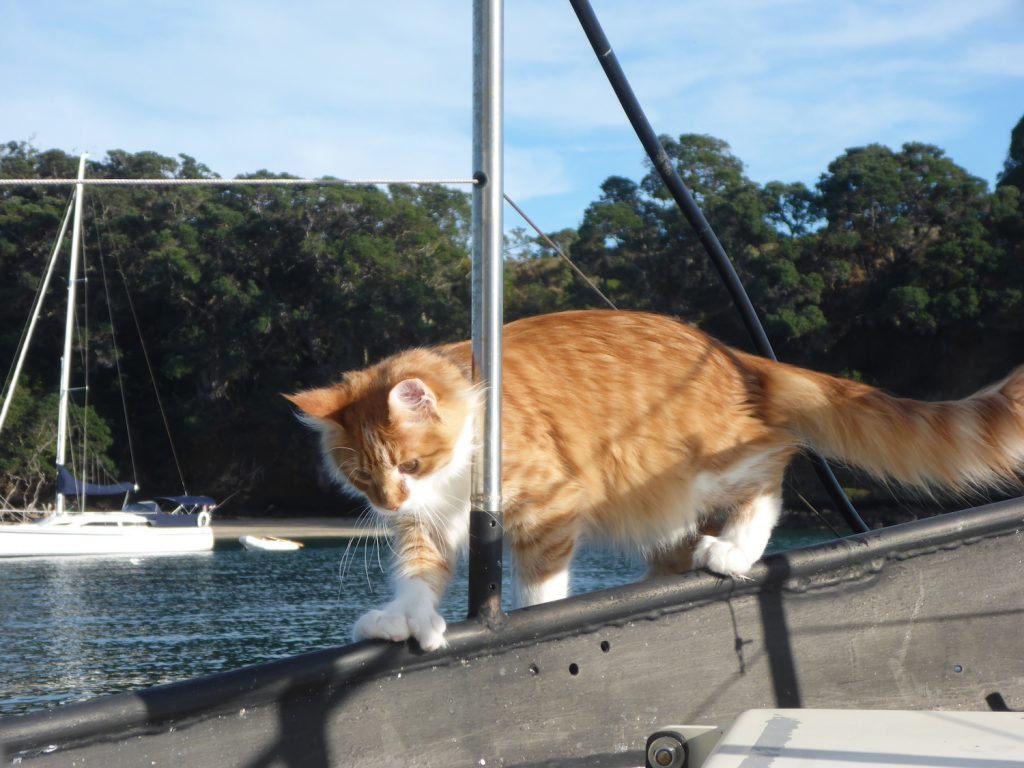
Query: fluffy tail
[958,445]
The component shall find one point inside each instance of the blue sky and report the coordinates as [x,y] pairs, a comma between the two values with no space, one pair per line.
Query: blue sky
[356,89]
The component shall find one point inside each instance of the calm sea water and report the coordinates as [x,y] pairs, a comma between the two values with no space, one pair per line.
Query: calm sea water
[76,628]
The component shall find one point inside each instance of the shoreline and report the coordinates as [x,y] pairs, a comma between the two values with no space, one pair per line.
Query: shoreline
[230,528]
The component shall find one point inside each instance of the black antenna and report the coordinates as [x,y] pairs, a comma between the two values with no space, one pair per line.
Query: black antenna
[663,164]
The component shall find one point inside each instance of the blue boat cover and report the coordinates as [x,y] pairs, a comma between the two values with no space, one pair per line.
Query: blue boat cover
[69,485]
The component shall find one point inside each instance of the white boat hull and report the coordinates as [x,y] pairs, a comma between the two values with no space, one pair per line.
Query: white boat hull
[269,543]
[101,533]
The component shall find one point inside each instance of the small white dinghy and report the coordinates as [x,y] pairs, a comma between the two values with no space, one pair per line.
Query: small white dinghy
[269,543]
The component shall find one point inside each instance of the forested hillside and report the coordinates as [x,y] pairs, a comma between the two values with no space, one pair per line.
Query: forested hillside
[898,268]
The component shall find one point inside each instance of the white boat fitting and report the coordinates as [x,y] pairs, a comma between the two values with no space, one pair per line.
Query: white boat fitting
[799,738]
[269,543]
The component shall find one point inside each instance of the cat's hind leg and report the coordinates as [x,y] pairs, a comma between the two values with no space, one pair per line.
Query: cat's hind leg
[542,568]
[554,586]
[678,558]
[743,537]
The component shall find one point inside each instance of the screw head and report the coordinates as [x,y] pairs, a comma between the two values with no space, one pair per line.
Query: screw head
[664,756]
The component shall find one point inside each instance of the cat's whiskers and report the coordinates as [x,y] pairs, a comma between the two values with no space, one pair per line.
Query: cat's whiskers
[368,518]
[384,531]
[338,448]
[372,519]
[361,522]
[387,539]
[353,470]
[348,465]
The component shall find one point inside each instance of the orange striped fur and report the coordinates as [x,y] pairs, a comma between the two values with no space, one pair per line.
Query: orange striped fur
[633,427]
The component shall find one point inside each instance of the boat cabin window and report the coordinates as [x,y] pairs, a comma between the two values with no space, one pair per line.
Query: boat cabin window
[141,506]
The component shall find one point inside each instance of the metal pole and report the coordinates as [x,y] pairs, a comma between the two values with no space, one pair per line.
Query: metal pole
[485,531]
[69,327]
[663,164]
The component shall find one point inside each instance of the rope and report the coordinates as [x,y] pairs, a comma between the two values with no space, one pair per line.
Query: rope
[224,182]
[815,510]
[553,245]
[152,375]
[117,351]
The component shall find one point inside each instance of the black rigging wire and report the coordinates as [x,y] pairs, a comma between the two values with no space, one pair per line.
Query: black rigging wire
[117,350]
[152,375]
[663,164]
[149,367]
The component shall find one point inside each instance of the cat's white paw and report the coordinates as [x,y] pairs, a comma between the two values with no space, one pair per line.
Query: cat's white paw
[394,624]
[410,614]
[722,557]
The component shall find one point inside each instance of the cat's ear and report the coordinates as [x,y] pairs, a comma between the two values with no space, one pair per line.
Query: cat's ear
[414,400]
[324,404]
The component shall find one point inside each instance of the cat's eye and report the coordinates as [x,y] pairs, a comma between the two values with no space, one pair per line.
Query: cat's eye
[410,467]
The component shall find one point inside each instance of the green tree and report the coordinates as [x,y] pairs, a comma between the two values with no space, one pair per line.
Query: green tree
[27,469]
[899,267]
[537,279]
[1013,168]
[645,255]
[917,265]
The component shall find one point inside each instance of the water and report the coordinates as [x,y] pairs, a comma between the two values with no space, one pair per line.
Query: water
[76,628]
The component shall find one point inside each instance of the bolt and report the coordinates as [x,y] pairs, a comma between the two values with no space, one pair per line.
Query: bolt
[664,756]
[666,750]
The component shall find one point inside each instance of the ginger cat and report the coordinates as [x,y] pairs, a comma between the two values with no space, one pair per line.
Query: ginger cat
[630,426]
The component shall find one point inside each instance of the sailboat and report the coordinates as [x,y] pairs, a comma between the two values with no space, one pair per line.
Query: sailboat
[139,527]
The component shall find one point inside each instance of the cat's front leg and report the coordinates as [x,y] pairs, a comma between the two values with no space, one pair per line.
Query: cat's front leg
[422,568]
[412,613]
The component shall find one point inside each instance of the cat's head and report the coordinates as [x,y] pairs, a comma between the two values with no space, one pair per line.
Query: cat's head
[395,432]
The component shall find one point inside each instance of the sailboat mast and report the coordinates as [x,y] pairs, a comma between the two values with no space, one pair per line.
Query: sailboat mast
[36,311]
[69,327]
[485,526]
